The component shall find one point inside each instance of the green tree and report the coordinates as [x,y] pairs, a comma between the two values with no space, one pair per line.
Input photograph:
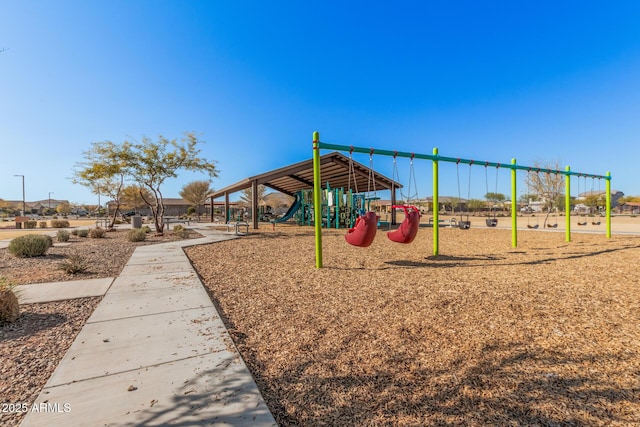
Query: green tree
[151,163]
[475,205]
[134,196]
[548,186]
[195,193]
[103,171]
[63,208]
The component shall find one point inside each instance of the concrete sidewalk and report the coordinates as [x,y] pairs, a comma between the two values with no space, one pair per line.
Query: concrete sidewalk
[154,352]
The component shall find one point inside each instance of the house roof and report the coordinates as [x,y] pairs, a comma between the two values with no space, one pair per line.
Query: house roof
[334,169]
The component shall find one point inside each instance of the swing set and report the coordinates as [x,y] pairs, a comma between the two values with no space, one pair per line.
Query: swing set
[363,232]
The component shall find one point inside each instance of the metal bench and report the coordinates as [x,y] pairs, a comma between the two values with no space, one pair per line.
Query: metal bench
[236,226]
[169,221]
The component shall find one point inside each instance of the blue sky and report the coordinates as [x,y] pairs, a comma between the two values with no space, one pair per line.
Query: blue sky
[538,81]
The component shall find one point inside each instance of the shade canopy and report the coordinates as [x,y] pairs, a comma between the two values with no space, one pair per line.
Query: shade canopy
[334,170]
[299,176]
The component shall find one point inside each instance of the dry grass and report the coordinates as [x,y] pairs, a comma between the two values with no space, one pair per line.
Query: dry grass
[545,334]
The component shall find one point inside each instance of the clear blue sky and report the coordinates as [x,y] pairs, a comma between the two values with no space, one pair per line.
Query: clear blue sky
[539,81]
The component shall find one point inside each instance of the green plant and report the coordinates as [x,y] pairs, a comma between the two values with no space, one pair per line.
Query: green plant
[30,224]
[74,264]
[83,233]
[59,223]
[42,224]
[30,245]
[97,233]
[178,227]
[74,231]
[146,229]
[62,236]
[182,233]
[136,235]
[9,305]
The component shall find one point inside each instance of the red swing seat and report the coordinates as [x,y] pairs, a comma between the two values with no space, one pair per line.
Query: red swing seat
[364,231]
[409,227]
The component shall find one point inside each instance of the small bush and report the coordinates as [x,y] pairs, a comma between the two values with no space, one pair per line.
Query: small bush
[30,245]
[59,223]
[42,224]
[74,231]
[9,306]
[178,227]
[97,233]
[146,229]
[74,264]
[136,235]
[83,233]
[182,233]
[63,236]
[30,224]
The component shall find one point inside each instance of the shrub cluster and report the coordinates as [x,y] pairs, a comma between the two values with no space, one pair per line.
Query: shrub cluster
[30,245]
[30,224]
[82,233]
[74,264]
[42,224]
[9,306]
[136,235]
[59,223]
[63,236]
[97,233]
[181,233]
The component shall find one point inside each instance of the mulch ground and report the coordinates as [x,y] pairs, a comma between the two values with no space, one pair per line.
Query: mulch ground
[484,334]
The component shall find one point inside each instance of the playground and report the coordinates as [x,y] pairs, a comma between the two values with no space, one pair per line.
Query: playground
[482,334]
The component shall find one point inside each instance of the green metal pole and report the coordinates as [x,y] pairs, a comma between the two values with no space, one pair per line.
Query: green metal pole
[514,206]
[567,203]
[608,205]
[436,204]
[317,198]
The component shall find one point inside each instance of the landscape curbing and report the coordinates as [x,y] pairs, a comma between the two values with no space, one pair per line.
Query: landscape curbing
[154,352]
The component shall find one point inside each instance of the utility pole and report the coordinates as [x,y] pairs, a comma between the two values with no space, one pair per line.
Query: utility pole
[24,204]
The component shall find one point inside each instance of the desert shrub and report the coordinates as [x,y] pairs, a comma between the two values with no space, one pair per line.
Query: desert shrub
[30,224]
[146,229]
[136,235]
[182,233]
[30,245]
[97,233]
[9,306]
[117,221]
[178,227]
[74,231]
[63,236]
[59,223]
[42,224]
[74,264]
[83,233]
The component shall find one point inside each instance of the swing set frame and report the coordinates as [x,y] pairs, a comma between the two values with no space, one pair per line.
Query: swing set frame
[436,159]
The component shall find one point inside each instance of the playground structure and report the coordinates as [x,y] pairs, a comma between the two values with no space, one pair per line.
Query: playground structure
[436,159]
[340,207]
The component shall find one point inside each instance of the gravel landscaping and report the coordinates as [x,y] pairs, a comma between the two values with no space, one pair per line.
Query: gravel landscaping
[32,347]
[483,334]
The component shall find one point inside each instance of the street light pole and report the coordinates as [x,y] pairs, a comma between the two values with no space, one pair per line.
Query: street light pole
[24,204]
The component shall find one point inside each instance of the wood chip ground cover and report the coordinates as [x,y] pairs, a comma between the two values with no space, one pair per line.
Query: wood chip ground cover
[483,334]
